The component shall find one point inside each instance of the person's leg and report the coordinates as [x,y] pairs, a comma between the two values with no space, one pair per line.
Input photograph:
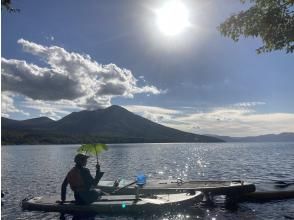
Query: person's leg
[90,196]
[78,199]
[95,195]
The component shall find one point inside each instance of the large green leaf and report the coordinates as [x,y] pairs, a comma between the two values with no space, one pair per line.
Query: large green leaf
[93,149]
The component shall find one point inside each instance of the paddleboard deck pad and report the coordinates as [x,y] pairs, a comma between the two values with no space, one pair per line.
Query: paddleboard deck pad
[228,188]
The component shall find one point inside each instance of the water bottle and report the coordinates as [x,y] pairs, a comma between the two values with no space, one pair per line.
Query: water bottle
[141,180]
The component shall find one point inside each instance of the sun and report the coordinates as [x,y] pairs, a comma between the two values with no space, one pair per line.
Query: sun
[172,18]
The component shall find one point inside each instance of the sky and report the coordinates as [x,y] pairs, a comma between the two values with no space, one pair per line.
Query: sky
[63,56]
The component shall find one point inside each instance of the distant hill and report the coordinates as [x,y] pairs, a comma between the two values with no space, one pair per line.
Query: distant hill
[282,137]
[30,124]
[111,125]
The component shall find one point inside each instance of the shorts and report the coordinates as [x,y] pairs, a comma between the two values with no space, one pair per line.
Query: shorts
[87,197]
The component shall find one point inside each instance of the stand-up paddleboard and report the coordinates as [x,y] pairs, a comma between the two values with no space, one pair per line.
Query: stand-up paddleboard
[177,186]
[267,196]
[115,204]
[269,191]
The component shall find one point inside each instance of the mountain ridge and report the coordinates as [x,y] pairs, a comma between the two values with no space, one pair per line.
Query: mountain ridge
[112,125]
[281,137]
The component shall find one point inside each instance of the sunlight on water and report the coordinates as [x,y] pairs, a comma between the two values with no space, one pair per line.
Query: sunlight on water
[160,172]
[40,170]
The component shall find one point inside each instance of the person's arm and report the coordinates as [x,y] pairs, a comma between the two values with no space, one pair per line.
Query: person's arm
[63,189]
[89,180]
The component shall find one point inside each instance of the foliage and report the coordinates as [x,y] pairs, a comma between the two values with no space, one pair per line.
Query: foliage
[93,149]
[271,20]
[7,4]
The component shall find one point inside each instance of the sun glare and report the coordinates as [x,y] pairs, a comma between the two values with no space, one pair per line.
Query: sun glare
[172,17]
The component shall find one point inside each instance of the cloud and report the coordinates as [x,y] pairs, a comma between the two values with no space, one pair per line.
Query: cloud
[27,106]
[249,104]
[8,105]
[69,76]
[50,38]
[156,114]
[37,83]
[233,120]
[51,109]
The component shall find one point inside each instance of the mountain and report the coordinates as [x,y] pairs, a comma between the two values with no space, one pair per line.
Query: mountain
[282,137]
[30,124]
[111,125]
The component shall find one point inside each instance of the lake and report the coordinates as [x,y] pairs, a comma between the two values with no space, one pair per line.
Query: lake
[33,170]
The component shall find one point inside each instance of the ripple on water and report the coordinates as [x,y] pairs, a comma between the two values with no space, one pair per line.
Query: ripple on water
[39,170]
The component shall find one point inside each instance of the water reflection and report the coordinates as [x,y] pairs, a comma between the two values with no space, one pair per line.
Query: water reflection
[206,213]
[185,214]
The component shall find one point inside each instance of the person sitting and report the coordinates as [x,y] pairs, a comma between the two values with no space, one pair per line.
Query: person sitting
[81,182]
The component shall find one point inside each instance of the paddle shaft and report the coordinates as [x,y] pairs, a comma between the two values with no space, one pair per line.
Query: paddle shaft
[115,191]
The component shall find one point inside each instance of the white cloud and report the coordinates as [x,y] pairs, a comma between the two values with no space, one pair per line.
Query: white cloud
[235,120]
[249,104]
[51,109]
[69,76]
[156,114]
[8,105]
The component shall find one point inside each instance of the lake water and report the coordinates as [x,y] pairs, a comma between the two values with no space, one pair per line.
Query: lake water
[39,170]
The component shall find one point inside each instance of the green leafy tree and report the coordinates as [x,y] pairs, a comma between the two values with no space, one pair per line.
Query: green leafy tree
[271,20]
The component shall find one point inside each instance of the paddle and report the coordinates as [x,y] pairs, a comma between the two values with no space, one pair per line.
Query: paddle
[179,181]
[140,180]
[117,190]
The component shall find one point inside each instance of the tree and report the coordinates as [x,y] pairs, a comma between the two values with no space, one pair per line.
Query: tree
[7,4]
[271,20]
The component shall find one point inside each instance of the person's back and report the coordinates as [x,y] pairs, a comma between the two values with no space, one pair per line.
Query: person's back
[80,180]
[75,179]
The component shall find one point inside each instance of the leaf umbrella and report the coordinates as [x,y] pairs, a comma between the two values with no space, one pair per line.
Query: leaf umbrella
[93,149]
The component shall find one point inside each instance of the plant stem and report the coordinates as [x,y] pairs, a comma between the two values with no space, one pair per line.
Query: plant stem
[96,154]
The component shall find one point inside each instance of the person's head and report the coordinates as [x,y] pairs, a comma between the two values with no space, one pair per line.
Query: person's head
[81,159]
